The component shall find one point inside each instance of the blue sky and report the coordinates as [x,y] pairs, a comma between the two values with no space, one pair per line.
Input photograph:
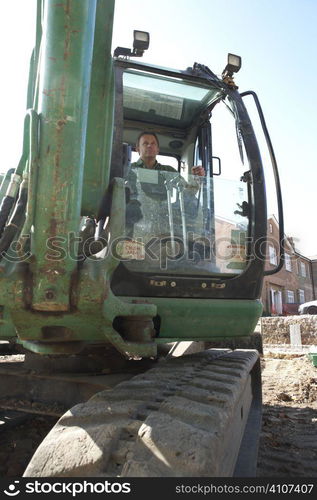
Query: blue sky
[277,40]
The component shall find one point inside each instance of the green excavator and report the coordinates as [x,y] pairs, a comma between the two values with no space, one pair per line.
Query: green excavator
[142,285]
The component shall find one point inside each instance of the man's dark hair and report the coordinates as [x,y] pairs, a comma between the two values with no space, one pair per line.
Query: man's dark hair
[147,133]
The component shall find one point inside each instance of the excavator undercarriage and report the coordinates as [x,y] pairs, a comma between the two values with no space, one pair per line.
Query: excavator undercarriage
[195,415]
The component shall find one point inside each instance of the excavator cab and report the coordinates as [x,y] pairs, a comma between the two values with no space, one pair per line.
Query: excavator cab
[187,226]
[189,237]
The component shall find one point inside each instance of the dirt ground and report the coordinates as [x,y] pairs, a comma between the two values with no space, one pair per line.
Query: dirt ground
[288,443]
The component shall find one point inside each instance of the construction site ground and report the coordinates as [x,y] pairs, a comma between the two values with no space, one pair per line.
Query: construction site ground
[288,441]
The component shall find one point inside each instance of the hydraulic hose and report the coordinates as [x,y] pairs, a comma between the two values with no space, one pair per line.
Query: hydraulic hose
[29,154]
[17,219]
[8,200]
[5,182]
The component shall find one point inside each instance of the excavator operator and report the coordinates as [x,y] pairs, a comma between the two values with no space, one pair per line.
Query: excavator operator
[147,145]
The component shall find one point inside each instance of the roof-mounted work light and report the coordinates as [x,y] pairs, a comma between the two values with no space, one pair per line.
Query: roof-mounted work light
[141,42]
[233,66]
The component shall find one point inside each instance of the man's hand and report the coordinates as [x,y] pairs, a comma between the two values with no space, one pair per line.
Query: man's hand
[198,171]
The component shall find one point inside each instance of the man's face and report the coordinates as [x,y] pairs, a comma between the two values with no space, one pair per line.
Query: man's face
[148,147]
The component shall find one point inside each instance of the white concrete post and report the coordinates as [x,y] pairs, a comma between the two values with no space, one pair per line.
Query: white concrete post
[295,335]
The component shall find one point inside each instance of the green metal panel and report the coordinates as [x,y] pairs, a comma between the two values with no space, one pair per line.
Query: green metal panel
[181,319]
[195,319]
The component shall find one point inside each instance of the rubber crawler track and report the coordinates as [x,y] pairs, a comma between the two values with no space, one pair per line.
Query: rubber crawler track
[177,419]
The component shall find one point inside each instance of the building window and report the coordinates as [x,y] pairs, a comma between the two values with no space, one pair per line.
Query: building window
[272,255]
[302,267]
[271,228]
[290,297]
[301,296]
[288,262]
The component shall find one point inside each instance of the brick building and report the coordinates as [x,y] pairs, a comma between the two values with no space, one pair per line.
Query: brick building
[284,291]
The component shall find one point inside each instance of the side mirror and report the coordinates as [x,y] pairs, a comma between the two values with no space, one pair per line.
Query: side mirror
[214,171]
